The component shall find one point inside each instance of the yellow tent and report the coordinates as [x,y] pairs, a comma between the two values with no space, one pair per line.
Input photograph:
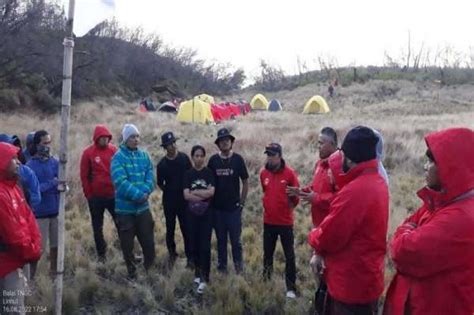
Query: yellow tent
[316,105]
[206,98]
[259,102]
[195,110]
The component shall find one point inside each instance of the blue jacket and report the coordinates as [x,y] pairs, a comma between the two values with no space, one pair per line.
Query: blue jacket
[47,173]
[27,155]
[30,185]
[132,176]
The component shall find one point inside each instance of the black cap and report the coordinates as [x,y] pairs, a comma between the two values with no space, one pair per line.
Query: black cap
[273,149]
[224,133]
[168,138]
[360,144]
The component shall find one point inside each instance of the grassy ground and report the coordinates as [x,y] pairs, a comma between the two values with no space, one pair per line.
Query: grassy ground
[402,111]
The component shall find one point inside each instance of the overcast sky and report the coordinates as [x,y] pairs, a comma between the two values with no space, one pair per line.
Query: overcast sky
[242,32]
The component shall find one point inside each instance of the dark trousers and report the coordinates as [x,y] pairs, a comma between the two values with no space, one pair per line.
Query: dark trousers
[200,232]
[228,223]
[97,207]
[270,237]
[171,212]
[339,308]
[141,226]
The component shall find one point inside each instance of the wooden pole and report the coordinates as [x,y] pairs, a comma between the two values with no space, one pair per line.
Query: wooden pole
[63,153]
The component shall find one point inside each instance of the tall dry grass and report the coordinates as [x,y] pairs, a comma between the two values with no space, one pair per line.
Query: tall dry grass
[403,119]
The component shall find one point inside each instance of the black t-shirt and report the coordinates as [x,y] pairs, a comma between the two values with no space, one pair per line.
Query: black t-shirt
[170,177]
[195,180]
[228,173]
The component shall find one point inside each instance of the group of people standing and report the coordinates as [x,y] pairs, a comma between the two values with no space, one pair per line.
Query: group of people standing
[432,251]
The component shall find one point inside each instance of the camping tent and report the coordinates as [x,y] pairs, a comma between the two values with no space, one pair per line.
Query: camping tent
[220,112]
[167,107]
[245,107]
[147,105]
[316,105]
[274,106]
[206,98]
[259,102]
[195,110]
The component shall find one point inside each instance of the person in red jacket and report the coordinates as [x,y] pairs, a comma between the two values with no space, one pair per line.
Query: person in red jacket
[352,238]
[433,250]
[20,240]
[97,183]
[278,214]
[322,191]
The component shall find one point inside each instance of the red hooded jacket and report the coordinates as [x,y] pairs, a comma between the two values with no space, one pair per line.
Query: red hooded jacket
[19,233]
[324,190]
[276,203]
[352,238]
[433,250]
[95,167]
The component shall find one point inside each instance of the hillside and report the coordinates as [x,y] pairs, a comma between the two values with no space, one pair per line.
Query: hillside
[403,117]
[110,60]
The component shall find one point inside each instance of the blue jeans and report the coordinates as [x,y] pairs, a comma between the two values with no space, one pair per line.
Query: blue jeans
[228,223]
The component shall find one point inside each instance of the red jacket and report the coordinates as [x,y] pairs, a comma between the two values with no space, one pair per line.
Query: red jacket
[276,203]
[435,259]
[19,233]
[352,238]
[95,167]
[324,189]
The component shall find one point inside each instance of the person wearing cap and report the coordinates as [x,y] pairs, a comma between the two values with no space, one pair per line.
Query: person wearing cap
[20,239]
[352,238]
[170,178]
[97,184]
[433,249]
[132,176]
[278,217]
[28,181]
[229,170]
[46,168]
[29,146]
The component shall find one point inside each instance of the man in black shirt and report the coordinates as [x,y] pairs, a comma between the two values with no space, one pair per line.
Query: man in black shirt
[229,169]
[170,176]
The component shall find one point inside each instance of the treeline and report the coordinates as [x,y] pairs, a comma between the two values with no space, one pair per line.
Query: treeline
[109,60]
[445,66]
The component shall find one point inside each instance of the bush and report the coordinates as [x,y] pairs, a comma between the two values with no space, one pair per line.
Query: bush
[46,102]
[9,100]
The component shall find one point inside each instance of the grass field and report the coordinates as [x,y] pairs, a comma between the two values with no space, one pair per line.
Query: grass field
[402,111]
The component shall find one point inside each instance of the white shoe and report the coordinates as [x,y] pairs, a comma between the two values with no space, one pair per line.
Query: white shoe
[197,281]
[201,288]
[291,294]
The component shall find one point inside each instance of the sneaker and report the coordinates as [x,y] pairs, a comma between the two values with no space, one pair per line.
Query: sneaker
[201,288]
[291,294]
[197,281]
